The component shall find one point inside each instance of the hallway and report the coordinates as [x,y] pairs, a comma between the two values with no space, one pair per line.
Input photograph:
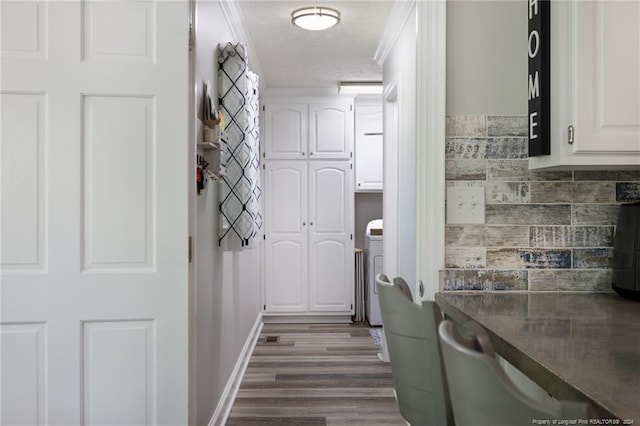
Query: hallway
[315,374]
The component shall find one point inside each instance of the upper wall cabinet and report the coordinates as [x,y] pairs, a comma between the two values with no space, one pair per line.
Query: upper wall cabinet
[369,146]
[595,85]
[307,129]
[286,131]
[331,130]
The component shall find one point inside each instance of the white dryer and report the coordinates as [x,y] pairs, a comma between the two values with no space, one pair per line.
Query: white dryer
[373,247]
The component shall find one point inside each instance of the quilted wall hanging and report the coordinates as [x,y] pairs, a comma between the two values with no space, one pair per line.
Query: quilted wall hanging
[241,218]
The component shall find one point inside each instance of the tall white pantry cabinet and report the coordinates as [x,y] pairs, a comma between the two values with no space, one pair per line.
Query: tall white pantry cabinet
[309,214]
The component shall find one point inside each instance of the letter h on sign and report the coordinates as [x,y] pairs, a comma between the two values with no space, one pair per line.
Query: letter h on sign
[538,50]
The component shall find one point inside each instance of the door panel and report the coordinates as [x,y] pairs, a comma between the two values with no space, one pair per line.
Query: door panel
[286,275]
[94,212]
[105,386]
[286,200]
[119,193]
[133,42]
[331,198]
[331,130]
[286,236]
[607,84]
[331,263]
[24,117]
[23,365]
[368,141]
[286,129]
[331,274]
[24,32]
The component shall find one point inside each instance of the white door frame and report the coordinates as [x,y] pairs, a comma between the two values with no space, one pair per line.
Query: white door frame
[430,144]
[430,107]
[391,116]
[193,221]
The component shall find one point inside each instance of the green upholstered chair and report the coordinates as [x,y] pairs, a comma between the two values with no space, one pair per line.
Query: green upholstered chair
[412,339]
[481,393]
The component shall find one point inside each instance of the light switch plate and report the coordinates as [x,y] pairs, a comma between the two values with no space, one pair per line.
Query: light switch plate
[465,204]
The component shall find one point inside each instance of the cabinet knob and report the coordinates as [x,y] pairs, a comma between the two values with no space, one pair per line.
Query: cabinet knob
[311,223]
[302,152]
[304,223]
[311,153]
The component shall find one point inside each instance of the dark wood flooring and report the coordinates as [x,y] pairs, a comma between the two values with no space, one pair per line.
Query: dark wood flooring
[316,374]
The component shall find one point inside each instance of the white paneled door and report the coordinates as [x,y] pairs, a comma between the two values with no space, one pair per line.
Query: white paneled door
[94,218]
[286,227]
[331,130]
[369,147]
[607,95]
[285,131]
[330,238]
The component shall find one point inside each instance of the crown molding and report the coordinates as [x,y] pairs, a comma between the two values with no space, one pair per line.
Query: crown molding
[235,20]
[395,23]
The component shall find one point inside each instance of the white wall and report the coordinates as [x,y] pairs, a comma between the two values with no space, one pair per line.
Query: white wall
[400,68]
[486,57]
[227,294]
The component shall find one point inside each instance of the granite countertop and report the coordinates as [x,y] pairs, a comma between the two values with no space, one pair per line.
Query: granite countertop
[577,346]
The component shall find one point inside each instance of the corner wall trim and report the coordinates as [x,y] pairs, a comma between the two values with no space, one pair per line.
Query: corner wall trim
[395,23]
[430,143]
[228,396]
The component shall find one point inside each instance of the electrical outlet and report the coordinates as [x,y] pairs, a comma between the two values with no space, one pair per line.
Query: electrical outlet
[465,204]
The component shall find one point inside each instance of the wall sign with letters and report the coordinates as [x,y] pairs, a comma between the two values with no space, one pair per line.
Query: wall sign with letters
[538,50]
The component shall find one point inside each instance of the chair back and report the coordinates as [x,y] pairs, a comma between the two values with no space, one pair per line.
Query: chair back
[481,393]
[411,337]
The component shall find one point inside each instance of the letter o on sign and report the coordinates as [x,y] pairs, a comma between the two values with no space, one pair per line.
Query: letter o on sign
[534,43]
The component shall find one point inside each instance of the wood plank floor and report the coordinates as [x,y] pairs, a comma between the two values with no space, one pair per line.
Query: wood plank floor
[316,374]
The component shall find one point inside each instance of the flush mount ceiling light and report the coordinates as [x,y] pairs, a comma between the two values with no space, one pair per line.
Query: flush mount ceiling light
[315,18]
[360,87]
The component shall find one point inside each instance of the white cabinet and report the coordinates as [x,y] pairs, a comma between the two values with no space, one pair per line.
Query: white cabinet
[308,237]
[286,131]
[286,236]
[368,147]
[595,85]
[308,193]
[321,130]
[607,71]
[331,130]
[331,261]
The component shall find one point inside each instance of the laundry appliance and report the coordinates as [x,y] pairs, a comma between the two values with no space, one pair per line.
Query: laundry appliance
[373,247]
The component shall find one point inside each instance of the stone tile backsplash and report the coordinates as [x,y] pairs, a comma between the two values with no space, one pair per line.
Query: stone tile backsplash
[544,230]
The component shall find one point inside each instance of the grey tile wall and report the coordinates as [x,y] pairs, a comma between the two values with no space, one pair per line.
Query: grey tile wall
[544,230]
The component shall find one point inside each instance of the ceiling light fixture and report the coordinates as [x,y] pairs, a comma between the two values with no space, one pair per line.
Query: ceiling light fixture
[360,87]
[315,18]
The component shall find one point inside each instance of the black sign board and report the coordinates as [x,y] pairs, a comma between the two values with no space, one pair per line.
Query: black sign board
[538,50]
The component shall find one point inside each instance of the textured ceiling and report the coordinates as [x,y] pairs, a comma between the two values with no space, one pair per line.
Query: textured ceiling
[293,57]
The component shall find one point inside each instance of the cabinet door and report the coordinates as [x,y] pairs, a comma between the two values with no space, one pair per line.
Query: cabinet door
[285,128]
[607,84]
[331,130]
[369,148]
[331,259]
[286,239]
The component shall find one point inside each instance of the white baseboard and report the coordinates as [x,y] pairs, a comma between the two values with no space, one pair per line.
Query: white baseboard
[272,318]
[228,396]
